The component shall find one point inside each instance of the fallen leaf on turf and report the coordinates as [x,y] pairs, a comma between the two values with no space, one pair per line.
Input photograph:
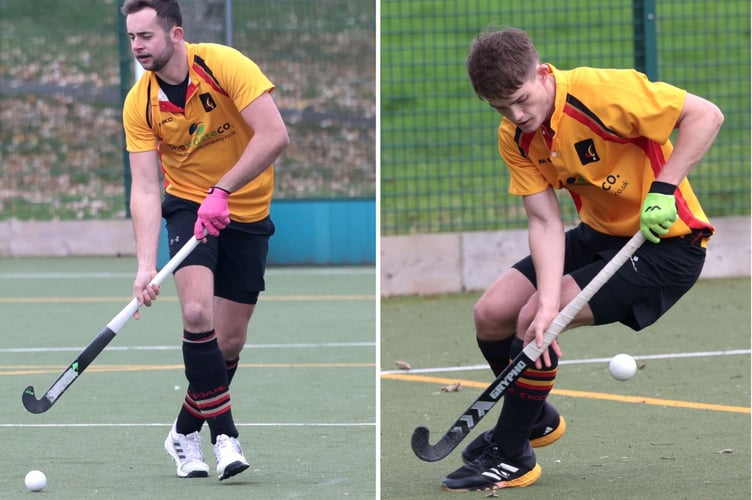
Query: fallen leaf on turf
[455,387]
[492,495]
[403,365]
[726,451]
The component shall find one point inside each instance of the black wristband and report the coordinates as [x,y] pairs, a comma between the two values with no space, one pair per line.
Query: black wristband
[220,188]
[662,188]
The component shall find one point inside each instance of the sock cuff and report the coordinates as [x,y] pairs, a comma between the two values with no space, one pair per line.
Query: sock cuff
[198,338]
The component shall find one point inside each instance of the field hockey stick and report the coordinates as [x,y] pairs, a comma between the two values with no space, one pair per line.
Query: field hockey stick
[524,360]
[99,342]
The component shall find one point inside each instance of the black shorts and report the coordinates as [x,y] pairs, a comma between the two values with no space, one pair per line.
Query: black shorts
[644,288]
[237,256]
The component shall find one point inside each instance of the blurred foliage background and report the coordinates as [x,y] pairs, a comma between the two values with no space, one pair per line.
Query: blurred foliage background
[62,81]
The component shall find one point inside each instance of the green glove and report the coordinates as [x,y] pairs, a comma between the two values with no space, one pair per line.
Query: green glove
[658,211]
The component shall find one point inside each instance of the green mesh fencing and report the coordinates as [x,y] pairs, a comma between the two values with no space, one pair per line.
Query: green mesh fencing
[440,169]
[61,144]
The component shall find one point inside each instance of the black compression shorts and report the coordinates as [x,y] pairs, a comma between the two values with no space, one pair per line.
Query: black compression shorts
[644,288]
[237,257]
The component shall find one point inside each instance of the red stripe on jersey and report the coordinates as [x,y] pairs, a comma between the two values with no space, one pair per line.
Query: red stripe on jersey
[576,199]
[169,107]
[524,140]
[654,153]
[208,79]
[595,126]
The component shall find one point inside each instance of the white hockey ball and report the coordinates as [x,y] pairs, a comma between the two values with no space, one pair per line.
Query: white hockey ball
[622,367]
[35,480]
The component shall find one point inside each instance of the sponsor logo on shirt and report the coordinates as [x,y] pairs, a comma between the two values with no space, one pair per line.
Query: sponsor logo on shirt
[201,135]
[586,151]
[207,101]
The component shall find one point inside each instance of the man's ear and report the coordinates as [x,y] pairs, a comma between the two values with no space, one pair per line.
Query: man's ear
[543,71]
[176,34]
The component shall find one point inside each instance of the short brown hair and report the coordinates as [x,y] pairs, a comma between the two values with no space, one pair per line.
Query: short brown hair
[500,61]
[168,11]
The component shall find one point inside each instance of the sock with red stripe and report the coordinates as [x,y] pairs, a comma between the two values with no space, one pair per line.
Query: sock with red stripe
[208,389]
[522,405]
[190,418]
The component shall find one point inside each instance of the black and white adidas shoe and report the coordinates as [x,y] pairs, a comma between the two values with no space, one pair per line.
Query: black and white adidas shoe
[548,429]
[491,470]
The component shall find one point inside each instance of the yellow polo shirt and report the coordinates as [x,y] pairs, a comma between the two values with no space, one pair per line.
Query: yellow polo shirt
[198,144]
[608,140]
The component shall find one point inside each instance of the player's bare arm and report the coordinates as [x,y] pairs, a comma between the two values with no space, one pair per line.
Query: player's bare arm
[269,140]
[546,240]
[698,125]
[147,221]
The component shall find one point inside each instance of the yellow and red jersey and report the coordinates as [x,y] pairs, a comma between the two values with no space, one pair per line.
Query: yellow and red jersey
[608,139]
[199,143]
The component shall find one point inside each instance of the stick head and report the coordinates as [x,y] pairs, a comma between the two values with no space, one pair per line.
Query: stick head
[32,404]
[433,453]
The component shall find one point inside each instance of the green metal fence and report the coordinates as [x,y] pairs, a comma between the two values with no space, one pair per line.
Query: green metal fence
[61,145]
[440,169]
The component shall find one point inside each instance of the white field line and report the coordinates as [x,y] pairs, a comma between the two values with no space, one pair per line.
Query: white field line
[293,271]
[676,355]
[13,350]
[238,424]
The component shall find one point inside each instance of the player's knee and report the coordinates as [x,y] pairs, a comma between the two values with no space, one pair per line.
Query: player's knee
[492,320]
[230,345]
[195,317]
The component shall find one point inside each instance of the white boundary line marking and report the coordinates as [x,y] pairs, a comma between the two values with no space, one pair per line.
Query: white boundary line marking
[334,271]
[256,424]
[704,354]
[13,350]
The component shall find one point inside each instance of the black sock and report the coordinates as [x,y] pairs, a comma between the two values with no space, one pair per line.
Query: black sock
[522,405]
[208,387]
[496,353]
[190,418]
[232,366]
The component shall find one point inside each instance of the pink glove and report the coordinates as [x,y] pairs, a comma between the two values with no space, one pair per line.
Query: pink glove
[213,214]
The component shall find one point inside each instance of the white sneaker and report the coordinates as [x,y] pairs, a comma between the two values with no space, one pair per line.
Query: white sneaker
[186,451]
[230,458]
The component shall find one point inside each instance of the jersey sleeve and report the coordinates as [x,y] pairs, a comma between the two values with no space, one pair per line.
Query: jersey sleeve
[245,81]
[139,136]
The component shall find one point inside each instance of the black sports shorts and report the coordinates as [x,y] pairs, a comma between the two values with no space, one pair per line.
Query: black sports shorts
[237,256]
[644,288]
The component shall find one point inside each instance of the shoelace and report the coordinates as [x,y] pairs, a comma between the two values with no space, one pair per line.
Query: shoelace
[226,443]
[192,447]
[490,457]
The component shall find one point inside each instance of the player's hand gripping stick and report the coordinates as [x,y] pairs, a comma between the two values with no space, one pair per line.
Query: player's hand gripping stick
[658,211]
[213,214]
